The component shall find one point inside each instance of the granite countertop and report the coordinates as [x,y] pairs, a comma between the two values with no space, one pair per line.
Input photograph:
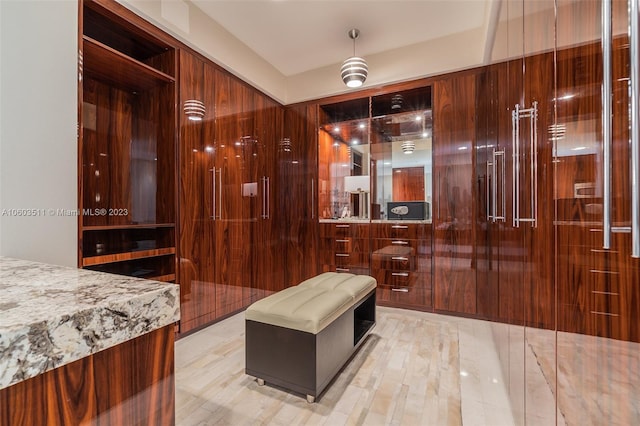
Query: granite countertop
[53,315]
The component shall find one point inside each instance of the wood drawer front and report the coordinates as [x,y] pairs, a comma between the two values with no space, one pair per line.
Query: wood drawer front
[396,262]
[419,247]
[351,269]
[328,257]
[410,231]
[338,230]
[346,245]
[399,297]
[398,279]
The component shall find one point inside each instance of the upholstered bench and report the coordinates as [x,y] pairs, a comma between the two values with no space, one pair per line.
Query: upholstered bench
[301,337]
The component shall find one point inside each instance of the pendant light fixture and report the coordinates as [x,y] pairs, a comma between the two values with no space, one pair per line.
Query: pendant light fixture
[354,70]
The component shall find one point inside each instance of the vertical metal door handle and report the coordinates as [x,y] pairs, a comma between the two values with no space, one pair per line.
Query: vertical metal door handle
[263,214]
[438,198]
[268,197]
[489,188]
[532,114]
[498,216]
[220,193]
[515,142]
[213,193]
[534,163]
[606,122]
[313,199]
[634,15]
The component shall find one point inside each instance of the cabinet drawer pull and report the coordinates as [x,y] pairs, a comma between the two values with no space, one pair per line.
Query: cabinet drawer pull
[404,259]
[401,290]
[400,242]
[342,226]
[605,313]
[607,293]
[342,269]
[598,271]
[342,241]
[399,274]
[342,255]
[399,227]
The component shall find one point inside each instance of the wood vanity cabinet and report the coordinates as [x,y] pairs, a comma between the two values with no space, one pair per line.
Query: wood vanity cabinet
[344,247]
[401,263]
[126,144]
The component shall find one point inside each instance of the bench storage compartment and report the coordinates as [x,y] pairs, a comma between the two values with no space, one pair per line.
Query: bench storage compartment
[301,337]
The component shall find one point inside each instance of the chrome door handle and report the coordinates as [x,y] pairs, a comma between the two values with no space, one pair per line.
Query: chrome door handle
[606,122]
[496,216]
[489,190]
[634,15]
[213,193]
[516,115]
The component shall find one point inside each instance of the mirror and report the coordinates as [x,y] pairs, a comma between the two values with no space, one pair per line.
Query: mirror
[401,157]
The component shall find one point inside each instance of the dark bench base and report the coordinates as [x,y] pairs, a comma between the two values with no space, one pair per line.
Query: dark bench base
[304,362]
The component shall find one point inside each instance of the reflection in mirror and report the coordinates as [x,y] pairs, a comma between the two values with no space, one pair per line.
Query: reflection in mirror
[344,170]
[401,159]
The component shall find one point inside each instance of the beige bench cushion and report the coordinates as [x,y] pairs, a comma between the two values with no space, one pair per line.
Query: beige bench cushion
[314,303]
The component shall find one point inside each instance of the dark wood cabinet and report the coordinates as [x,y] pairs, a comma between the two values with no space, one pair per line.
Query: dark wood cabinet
[126,147]
[196,234]
[453,209]
[401,262]
[344,247]
[297,200]
[597,286]
[230,240]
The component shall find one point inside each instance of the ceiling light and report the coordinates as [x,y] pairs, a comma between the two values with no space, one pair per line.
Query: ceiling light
[194,109]
[418,118]
[354,70]
[396,102]
[336,129]
[408,147]
[362,125]
[355,142]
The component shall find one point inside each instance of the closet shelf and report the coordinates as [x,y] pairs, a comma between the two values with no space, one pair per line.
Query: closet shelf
[132,255]
[102,63]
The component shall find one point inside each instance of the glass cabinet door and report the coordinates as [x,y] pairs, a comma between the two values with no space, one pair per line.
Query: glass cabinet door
[343,161]
[401,155]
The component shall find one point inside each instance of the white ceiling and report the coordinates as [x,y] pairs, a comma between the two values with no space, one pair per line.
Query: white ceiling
[296,36]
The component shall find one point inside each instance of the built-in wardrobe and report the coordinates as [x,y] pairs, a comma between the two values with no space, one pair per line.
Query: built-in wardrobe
[507,192]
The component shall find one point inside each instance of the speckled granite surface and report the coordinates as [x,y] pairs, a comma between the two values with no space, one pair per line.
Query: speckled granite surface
[52,315]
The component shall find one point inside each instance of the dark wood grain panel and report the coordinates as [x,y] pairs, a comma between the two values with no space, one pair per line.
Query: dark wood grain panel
[108,387]
[229,232]
[408,184]
[297,196]
[539,269]
[197,294]
[488,93]
[453,139]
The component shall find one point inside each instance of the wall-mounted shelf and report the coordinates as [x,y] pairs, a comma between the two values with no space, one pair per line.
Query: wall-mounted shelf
[132,255]
[102,63]
[133,226]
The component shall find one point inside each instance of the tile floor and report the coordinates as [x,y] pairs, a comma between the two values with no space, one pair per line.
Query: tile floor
[419,368]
